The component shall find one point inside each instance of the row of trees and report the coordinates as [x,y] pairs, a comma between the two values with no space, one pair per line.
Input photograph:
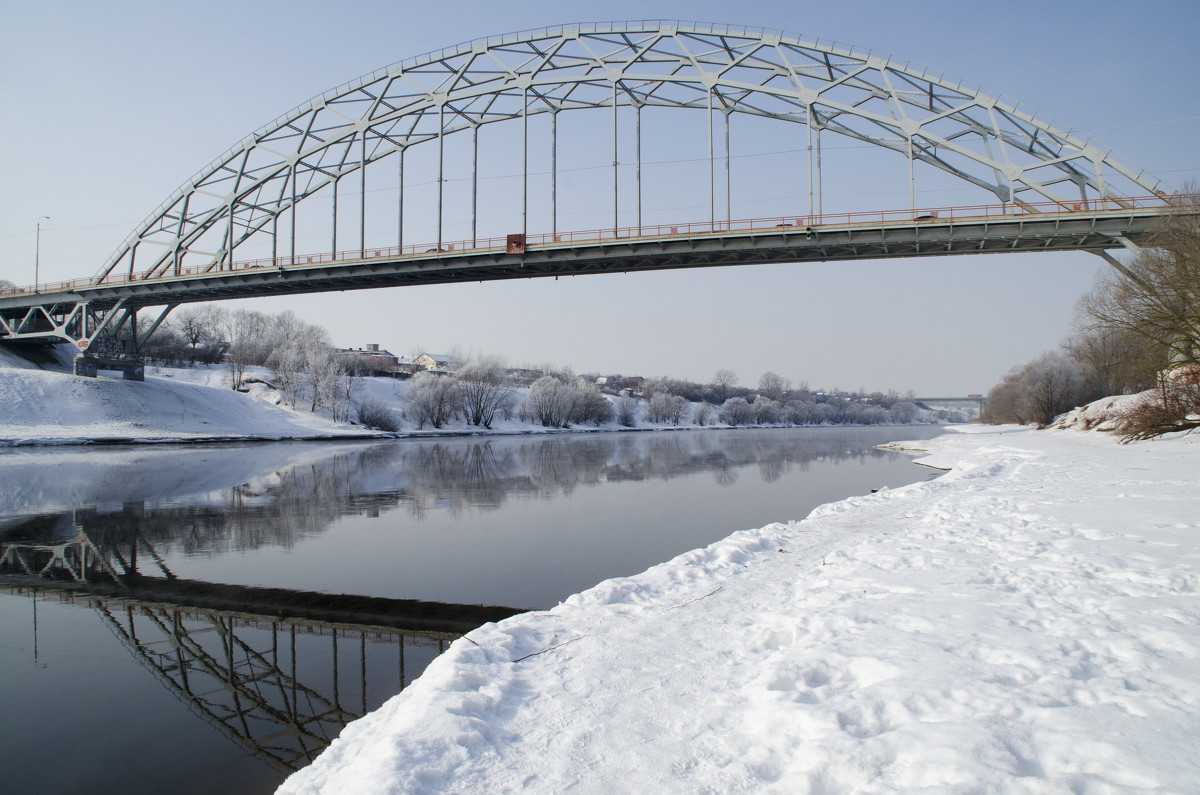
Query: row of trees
[724,385]
[480,392]
[1138,330]
[307,374]
[764,411]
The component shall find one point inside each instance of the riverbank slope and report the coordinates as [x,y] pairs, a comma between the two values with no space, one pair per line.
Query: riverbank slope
[1029,622]
[46,405]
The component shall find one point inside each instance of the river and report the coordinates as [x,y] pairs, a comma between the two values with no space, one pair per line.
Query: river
[207,618]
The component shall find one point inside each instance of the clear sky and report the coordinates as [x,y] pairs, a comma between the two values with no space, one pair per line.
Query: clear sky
[111,106]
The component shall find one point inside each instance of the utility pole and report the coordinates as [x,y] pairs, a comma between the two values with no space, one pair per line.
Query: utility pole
[37,250]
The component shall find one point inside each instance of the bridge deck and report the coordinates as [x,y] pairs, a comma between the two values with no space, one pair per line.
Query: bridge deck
[79,310]
[787,239]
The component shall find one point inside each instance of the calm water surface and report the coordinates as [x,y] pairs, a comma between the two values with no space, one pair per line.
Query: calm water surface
[128,666]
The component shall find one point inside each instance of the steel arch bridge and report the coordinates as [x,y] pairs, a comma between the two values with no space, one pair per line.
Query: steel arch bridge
[1045,188]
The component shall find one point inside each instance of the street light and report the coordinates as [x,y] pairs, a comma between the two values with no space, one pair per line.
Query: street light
[37,251]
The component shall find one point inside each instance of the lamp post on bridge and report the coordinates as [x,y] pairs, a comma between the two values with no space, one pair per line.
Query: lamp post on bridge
[37,250]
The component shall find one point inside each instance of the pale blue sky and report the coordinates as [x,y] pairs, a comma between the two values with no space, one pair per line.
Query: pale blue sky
[111,106]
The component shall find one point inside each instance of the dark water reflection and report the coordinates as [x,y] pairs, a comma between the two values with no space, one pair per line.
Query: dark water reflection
[345,568]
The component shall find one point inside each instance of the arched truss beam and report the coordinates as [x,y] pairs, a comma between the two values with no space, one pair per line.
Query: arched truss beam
[818,86]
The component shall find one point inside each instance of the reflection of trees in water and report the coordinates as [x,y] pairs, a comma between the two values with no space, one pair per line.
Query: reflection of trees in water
[476,475]
[556,466]
[284,506]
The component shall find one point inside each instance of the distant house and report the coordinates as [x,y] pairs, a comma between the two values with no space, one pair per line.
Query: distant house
[524,376]
[370,361]
[408,367]
[439,361]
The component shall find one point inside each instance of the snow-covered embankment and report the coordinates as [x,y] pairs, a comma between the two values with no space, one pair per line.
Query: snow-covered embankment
[1028,622]
[51,406]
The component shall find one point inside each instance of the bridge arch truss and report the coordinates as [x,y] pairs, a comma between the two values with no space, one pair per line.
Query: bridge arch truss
[251,193]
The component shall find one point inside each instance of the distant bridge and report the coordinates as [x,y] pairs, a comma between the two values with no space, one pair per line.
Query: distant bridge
[231,230]
[978,400]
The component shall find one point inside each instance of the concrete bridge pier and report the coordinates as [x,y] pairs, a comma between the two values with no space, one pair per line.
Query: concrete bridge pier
[133,368]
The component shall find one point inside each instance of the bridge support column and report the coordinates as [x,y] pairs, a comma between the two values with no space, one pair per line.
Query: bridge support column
[132,368]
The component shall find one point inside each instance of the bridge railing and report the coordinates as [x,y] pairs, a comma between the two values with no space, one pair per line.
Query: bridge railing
[803,224]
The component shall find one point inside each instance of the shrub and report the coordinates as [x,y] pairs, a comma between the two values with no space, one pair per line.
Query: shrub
[375,414]
[1173,407]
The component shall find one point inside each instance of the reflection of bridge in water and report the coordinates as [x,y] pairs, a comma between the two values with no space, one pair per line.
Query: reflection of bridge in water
[230,652]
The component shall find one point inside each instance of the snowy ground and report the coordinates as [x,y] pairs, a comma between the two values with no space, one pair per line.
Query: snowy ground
[1030,622]
[51,406]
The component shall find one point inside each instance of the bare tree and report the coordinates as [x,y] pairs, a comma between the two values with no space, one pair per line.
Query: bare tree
[193,325]
[1116,361]
[1156,295]
[1038,391]
[722,382]
[773,385]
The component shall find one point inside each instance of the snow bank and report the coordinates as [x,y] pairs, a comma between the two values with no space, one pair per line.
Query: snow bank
[1029,622]
[48,406]
[1099,415]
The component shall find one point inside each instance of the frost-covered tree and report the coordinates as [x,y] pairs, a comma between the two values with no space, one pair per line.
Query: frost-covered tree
[627,411]
[766,411]
[433,399]
[821,414]
[873,415]
[664,407]
[1037,391]
[547,402]
[287,366]
[484,390]
[702,414]
[1054,381]
[324,381]
[243,332]
[798,412]
[903,412]
[736,411]
[590,405]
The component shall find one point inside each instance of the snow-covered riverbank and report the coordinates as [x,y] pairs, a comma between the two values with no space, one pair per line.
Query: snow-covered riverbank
[44,404]
[1030,622]
[47,406]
